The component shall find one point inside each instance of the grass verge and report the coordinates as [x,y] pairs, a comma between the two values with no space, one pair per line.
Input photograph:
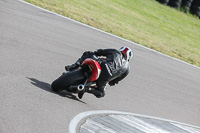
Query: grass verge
[146,22]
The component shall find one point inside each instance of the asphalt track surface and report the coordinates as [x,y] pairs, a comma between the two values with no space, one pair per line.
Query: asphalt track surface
[35,45]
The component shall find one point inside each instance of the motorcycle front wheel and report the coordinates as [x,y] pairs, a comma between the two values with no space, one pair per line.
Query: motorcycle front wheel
[67,79]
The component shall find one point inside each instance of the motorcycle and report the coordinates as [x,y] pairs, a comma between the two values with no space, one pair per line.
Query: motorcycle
[80,79]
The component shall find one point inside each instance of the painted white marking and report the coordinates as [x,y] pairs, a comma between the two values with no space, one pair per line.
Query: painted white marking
[110,34]
[90,131]
[96,125]
[139,124]
[186,128]
[74,122]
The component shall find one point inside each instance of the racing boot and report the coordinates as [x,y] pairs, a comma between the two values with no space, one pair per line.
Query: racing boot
[73,66]
[96,92]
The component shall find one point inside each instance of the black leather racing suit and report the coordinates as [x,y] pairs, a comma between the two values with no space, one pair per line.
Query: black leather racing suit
[114,68]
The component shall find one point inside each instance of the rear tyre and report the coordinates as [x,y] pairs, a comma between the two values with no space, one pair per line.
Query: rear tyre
[64,81]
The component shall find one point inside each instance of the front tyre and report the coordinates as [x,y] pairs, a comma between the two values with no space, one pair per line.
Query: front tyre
[64,81]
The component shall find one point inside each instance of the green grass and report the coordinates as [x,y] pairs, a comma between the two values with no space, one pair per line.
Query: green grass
[146,22]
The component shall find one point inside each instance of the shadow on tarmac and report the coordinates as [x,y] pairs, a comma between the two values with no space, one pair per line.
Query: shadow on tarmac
[47,87]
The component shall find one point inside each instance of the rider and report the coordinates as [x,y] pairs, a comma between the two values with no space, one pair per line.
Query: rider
[114,67]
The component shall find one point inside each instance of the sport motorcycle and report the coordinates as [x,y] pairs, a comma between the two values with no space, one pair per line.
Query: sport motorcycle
[80,79]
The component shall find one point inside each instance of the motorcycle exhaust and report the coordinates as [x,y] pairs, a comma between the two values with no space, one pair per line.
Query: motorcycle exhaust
[80,87]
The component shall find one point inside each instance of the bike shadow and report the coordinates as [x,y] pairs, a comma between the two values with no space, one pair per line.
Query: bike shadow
[47,87]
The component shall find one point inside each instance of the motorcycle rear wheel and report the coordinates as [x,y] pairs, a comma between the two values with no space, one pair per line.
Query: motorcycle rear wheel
[64,81]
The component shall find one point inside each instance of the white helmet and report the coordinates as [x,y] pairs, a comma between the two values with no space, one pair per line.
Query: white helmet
[127,52]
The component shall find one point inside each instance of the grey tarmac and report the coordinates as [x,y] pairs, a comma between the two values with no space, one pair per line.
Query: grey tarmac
[35,45]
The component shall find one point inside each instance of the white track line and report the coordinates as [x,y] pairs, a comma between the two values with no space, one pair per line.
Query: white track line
[75,121]
[109,34]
